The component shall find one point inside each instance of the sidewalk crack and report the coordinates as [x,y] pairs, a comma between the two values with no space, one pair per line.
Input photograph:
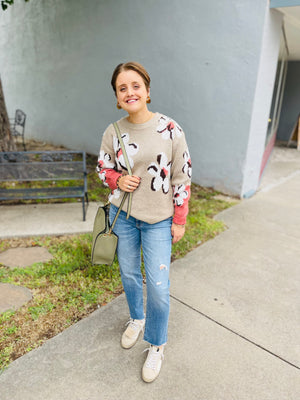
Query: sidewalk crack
[236,333]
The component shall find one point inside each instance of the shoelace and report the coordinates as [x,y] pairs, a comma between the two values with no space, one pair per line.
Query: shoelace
[153,357]
[134,324]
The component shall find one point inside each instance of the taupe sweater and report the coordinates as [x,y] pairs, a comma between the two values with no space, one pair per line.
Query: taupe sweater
[158,154]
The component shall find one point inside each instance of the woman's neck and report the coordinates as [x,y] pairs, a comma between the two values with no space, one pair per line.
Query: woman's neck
[140,118]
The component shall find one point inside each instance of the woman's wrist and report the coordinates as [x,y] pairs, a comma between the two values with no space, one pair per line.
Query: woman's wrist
[118,181]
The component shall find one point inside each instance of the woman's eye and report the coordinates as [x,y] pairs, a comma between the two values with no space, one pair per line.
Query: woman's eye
[136,86]
[122,89]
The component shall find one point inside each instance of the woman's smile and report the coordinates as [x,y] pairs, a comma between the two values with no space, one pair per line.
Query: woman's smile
[132,93]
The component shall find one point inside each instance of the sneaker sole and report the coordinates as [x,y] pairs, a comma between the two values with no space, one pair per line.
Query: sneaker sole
[129,347]
[147,380]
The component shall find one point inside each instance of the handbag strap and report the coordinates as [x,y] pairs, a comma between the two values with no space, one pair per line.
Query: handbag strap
[118,213]
[117,129]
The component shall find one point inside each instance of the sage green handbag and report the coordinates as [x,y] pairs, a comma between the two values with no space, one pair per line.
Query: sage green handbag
[105,241]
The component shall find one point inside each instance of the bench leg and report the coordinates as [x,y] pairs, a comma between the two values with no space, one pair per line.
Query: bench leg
[84,209]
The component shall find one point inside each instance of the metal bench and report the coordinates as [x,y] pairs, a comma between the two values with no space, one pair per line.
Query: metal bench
[41,174]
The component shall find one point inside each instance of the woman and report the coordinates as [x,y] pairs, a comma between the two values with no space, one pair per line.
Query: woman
[161,168]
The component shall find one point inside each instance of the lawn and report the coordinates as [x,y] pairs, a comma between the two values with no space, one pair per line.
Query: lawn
[68,287]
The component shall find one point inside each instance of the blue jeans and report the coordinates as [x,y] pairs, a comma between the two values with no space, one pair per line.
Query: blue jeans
[156,242]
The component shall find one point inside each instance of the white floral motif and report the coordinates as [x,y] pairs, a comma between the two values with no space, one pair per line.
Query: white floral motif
[179,194]
[168,128]
[104,161]
[102,176]
[161,173]
[187,167]
[131,150]
[115,194]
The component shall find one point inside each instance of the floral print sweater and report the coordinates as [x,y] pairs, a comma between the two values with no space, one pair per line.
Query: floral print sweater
[158,154]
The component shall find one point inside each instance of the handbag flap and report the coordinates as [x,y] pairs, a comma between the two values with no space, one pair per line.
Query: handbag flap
[100,219]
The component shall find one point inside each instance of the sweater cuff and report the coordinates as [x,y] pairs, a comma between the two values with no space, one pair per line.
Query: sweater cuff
[111,177]
[180,213]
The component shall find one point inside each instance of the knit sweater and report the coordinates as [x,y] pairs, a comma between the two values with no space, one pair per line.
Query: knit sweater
[158,154]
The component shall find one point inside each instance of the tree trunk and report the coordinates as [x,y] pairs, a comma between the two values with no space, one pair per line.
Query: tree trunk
[6,140]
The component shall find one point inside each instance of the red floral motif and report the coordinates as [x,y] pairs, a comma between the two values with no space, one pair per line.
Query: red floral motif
[103,163]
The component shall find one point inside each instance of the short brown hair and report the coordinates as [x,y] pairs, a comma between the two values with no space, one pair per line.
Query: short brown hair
[134,66]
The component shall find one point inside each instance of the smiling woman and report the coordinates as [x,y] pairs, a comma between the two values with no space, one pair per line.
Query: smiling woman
[160,187]
[131,84]
[132,95]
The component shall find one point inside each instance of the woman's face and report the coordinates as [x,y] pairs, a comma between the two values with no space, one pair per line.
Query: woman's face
[131,92]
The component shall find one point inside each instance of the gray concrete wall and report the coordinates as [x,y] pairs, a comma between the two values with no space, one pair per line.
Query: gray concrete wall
[262,101]
[57,57]
[291,102]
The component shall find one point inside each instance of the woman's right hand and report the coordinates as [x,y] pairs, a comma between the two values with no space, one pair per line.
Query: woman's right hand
[129,183]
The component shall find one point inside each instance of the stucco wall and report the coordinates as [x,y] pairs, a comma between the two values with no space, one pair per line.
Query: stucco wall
[57,57]
[262,101]
[291,102]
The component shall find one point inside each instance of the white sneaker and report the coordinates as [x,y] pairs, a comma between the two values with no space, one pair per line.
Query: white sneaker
[152,364]
[131,334]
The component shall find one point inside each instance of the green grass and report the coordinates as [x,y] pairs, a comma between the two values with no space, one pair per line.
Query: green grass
[200,224]
[68,287]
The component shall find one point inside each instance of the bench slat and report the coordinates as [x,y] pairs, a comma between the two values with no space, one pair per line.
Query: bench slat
[41,166]
[41,193]
[41,171]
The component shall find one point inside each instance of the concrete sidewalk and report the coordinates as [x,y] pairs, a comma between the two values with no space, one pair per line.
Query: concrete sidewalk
[234,322]
[45,219]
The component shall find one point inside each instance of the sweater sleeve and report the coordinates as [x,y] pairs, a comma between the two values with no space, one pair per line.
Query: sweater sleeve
[181,178]
[107,168]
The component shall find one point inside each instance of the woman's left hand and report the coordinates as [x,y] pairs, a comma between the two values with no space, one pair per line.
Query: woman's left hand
[177,232]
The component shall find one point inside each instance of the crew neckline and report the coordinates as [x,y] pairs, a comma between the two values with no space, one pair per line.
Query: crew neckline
[124,121]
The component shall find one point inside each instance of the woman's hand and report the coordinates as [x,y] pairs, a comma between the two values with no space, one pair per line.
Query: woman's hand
[177,232]
[129,183]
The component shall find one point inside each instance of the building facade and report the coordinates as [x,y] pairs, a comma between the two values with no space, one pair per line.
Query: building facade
[213,68]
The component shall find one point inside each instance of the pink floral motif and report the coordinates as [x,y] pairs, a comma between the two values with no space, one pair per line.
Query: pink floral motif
[180,193]
[168,128]
[131,150]
[161,173]
[103,163]
[187,167]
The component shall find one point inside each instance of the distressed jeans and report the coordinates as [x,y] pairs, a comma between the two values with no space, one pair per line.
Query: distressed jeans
[156,242]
